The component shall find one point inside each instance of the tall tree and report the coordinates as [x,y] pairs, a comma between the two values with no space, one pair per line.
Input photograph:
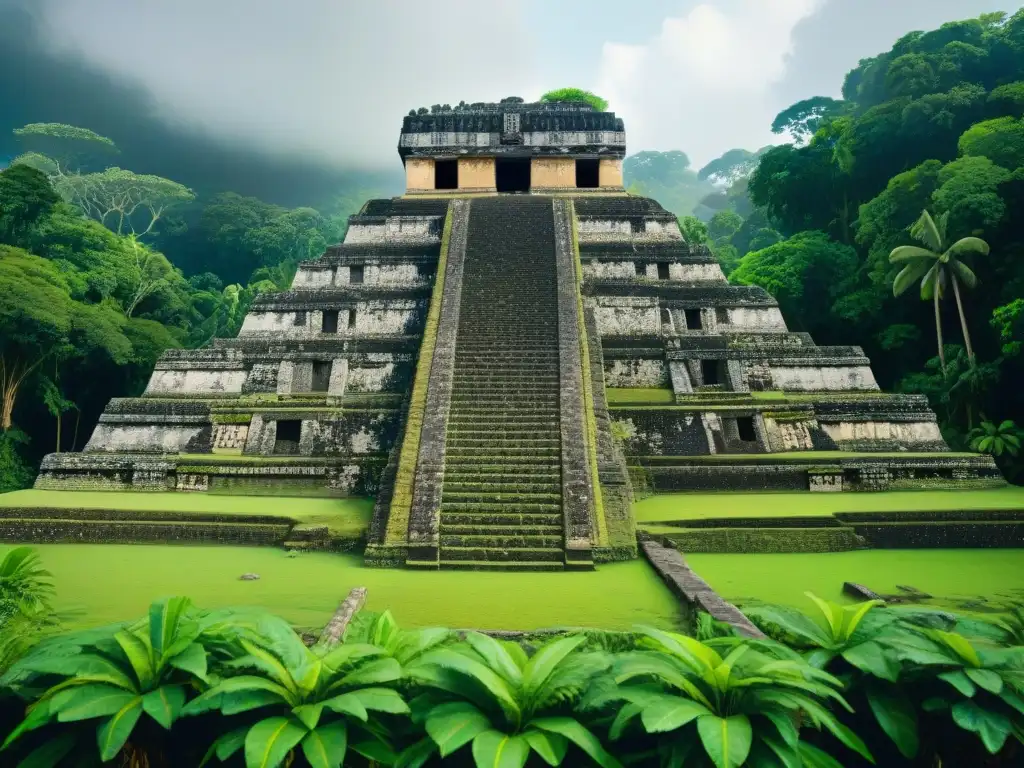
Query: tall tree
[27,197]
[802,120]
[71,148]
[935,266]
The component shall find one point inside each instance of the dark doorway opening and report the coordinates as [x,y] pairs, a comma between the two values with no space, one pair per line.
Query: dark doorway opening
[287,438]
[351,318]
[693,321]
[745,426]
[513,174]
[588,174]
[446,174]
[355,274]
[721,315]
[666,318]
[299,319]
[640,268]
[709,372]
[321,376]
[663,271]
[330,321]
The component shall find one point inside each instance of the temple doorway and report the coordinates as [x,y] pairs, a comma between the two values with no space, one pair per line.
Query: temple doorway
[513,174]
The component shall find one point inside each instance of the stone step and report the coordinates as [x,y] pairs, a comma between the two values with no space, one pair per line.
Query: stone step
[499,488]
[484,565]
[511,529]
[510,507]
[498,555]
[500,541]
[478,498]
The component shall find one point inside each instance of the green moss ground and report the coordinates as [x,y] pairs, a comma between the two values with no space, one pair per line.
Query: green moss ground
[344,517]
[102,583]
[955,577]
[621,395]
[689,506]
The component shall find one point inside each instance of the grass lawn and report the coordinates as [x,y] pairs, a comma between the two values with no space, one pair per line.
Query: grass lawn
[639,395]
[103,583]
[797,456]
[344,517]
[689,506]
[951,576]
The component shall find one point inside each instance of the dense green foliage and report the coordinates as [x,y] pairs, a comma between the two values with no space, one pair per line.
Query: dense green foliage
[103,269]
[183,686]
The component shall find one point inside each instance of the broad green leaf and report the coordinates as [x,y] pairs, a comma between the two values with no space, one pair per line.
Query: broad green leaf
[113,733]
[481,673]
[374,750]
[417,755]
[783,753]
[38,715]
[88,701]
[309,714]
[958,644]
[912,253]
[550,746]
[325,747]
[579,735]
[51,752]
[791,621]
[496,656]
[309,674]
[269,741]
[539,668]
[236,702]
[670,712]
[985,678]
[494,749]
[992,727]
[213,698]
[815,758]
[382,700]
[191,659]
[272,665]
[831,613]
[164,704]
[138,653]
[386,670]
[347,704]
[960,681]
[784,723]
[660,665]
[344,655]
[226,745]
[726,740]
[455,724]
[622,719]
[164,616]
[897,716]
[875,659]
[854,614]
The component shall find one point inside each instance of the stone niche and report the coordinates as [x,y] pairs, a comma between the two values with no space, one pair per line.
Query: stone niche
[825,481]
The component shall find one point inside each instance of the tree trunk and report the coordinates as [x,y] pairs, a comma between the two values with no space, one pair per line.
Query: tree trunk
[963,319]
[7,411]
[74,439]
[58,433]
[938,332]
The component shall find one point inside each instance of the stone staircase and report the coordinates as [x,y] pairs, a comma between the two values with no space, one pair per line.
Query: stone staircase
[501,502]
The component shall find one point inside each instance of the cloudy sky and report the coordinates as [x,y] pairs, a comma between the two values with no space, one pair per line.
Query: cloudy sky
[332,78]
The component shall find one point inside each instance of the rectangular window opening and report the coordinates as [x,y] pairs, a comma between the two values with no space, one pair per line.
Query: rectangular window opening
[321,376]
[588,173]
[446,174]
[663,271]
[355,274]
[709,371]
[693,321]
[299,319]
[640,268]
[330,321]
[351,318]
[721,315]
[745,426]
[288,434]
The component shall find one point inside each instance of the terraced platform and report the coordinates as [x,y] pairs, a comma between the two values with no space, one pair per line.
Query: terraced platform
[501,499]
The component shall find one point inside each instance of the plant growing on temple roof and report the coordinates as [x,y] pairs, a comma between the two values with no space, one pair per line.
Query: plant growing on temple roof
[699,705]
[323,700]
[488,696]
[935,266]
[576,94]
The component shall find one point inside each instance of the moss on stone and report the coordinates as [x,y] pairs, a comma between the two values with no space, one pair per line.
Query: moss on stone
[640,395]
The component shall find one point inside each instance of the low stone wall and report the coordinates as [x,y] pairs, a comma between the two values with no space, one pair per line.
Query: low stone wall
[733,540]
[82,531]
[695,593]
[967,534]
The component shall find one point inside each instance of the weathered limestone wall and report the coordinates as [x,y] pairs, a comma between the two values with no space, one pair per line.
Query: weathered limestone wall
[626,315]
[690,273]
[913,435]
[610,172]
[477,173]
[552,173]
[823,379]
[312,276]
[409,230]
[619,230]
[762,319]
[789,435]
[636,373]
[695,273]
[195,382]
[378,316]
[419,174]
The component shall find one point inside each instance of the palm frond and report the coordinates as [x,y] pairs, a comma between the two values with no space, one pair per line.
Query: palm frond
[909,275]
[964,274]
[931,282]
[967,245]
[927,231]
[911,253]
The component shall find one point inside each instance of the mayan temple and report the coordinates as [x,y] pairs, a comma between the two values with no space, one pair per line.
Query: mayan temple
[503,356]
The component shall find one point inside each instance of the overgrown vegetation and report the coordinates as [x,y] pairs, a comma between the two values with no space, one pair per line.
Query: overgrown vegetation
[576,94]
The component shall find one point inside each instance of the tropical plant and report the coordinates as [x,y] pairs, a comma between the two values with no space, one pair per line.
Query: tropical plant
[25,613]
[981,688]
[111,678]
[936,265]
[487,693]
[996,440]
[319,699]
[702,706]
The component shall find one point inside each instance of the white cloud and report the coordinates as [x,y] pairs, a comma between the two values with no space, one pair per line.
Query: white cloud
[702,84]
[328,78]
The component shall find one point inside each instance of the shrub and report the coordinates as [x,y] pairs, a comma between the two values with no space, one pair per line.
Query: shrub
[576,94]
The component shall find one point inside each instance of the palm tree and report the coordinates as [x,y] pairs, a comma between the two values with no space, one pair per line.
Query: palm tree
[937,265]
